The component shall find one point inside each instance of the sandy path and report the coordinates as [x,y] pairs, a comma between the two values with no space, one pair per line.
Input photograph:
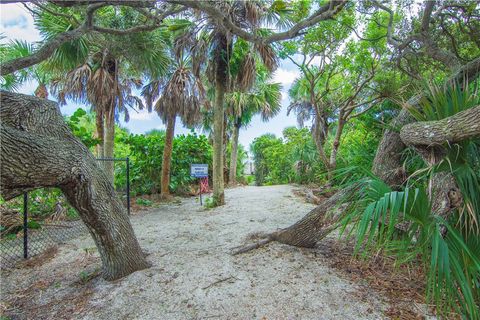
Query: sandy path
[194,277]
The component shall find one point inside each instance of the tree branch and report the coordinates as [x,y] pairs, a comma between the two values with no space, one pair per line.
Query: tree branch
[50,46]
[459,127]
[327,11]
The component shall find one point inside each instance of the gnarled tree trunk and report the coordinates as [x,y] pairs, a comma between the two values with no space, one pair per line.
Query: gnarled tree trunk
[167,158]
[38,150]
[429,139]
[387,164]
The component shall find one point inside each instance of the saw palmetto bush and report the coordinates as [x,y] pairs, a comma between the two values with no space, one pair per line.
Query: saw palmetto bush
[405,224]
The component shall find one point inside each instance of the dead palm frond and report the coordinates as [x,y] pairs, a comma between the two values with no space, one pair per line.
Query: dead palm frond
[247,73]
[182,95]
[268,55]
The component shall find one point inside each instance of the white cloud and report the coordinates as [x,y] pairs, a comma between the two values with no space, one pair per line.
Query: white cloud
[285,77]
[142,115]
[17,23]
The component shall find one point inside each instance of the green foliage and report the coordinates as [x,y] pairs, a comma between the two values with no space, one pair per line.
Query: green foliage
[448,250]
[82,125]
[146,160]
[144,202]
[292,158]
[451,262]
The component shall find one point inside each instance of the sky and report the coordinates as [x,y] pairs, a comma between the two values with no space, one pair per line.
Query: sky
[17,23]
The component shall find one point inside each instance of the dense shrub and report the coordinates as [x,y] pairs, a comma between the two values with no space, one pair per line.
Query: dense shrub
[146,160]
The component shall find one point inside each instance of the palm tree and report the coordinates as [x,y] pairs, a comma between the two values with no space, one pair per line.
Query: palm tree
[102,70]
[264,99]
[219,46]
[17,49]
[104,82]
[181,94]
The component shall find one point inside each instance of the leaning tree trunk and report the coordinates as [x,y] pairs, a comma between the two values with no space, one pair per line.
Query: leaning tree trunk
[167,158]
[313,227]
[39,150]
[234,154]
[109,141]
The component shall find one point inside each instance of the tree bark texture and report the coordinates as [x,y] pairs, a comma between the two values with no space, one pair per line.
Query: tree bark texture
[218,182]
[313,227]
[222,57]
[461,126]
[167,158]
[387,164]
[234,154]
[38,150]
[429,139]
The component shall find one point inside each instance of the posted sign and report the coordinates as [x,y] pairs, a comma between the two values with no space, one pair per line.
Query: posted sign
[199,170]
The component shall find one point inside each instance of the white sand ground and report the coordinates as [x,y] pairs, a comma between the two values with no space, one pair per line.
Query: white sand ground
[193,275]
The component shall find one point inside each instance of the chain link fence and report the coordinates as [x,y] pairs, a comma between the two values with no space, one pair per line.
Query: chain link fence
[33,238]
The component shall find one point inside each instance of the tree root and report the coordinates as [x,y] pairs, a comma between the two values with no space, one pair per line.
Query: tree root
[250,247]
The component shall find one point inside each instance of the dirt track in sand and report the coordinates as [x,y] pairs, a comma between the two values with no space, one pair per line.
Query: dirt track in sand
[193,275]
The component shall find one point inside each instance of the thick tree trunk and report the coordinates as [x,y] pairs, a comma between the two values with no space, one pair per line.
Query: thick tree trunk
[234,154]
[99,133]
[38,150]
[167,158]
[387,164]
[109,141]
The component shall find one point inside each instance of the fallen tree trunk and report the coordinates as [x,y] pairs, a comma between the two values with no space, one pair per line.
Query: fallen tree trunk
[39,150]
[313,227]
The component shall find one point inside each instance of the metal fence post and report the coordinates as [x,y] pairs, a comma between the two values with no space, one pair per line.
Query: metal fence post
[25,225]
[128,185]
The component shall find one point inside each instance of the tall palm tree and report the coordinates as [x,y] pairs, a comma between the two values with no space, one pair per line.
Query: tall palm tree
[219,46]
[102,70]
[181,94]
[104,82]
[264,99]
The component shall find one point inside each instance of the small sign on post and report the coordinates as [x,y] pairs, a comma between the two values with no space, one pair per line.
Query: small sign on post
[200,171]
